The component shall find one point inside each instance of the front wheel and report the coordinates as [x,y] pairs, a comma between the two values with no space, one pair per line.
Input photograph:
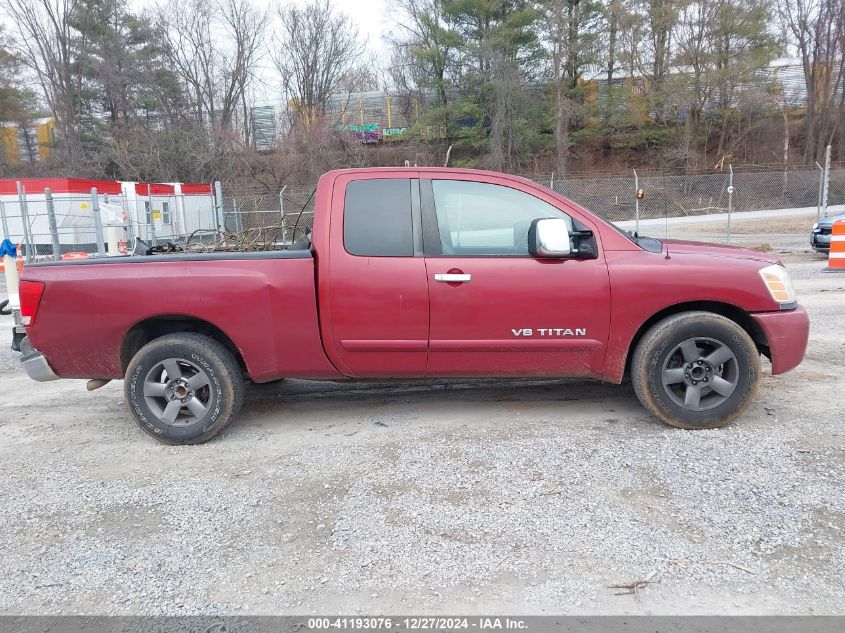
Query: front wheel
[696,370]
[183,388]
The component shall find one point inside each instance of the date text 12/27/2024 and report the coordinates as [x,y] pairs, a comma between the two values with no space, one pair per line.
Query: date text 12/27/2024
[364,623]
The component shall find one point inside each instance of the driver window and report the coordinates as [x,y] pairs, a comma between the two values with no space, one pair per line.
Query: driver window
[476,218]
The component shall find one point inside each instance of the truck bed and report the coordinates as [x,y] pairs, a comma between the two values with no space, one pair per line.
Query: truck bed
[262,303]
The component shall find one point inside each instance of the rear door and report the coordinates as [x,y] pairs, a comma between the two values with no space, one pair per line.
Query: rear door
[377,291]
[495,310]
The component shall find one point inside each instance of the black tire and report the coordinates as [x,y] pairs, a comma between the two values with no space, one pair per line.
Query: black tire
[206,393]
[690,400]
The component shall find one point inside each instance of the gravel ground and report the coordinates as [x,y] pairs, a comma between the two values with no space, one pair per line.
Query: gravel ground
[459,496]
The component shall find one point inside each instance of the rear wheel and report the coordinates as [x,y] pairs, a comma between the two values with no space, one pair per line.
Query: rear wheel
[696,370]
[183,388]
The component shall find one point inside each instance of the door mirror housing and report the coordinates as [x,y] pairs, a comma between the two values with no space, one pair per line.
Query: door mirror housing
[549,238]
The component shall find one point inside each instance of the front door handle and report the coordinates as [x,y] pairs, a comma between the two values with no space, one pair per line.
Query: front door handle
[452,278]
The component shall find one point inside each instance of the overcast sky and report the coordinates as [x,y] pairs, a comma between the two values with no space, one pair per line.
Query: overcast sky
[368,15]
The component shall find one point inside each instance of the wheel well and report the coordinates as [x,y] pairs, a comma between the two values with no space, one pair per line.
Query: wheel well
[142,333]
[735,314]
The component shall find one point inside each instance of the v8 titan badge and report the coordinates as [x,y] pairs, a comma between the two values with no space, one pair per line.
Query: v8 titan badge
[549,331]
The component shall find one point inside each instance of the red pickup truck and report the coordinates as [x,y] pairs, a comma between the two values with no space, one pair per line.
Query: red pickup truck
[418,273]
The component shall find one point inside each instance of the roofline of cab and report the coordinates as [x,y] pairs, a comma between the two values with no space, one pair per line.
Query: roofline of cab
[420,172]
[429,169]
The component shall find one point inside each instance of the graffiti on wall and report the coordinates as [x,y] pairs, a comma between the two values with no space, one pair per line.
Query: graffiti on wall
[367,136]
[370,132]
[352,127]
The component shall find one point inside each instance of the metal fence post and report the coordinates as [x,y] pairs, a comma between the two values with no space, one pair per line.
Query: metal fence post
[730,198]
[821,189]
[826,187]
[218,205]
[238,218]
[130,226]
[636,203]
[25,220]
[181,218]
[151,220]
[112,238]
[98,222]
[282,210]
[5,222]
[54,229]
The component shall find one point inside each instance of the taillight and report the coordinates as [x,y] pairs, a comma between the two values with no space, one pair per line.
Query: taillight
[30,294]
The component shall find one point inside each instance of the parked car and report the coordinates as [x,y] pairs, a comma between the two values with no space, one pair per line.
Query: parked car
[418,273]
[820,233]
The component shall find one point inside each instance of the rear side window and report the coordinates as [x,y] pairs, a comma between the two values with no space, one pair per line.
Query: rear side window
[377,218]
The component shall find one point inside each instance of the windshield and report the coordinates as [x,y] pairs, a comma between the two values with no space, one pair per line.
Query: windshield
[628,234]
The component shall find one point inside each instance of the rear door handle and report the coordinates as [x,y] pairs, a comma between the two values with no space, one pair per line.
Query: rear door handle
[451,278]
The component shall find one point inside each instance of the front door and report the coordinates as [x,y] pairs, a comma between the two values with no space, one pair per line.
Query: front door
[495,310]
[376,295]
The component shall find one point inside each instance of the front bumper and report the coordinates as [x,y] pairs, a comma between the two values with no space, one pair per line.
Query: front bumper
[787,333]
[34,363]
[820,241]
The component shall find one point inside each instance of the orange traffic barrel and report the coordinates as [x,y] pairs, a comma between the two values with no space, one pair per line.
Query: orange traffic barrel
[19,261]
[836,256]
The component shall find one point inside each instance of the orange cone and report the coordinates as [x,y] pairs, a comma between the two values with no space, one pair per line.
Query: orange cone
[836,257]
[19,264]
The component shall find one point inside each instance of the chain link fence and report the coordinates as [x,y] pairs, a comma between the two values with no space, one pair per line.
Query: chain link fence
[67,223]
[249,217]
[268,216]
[614,198]
[48,224]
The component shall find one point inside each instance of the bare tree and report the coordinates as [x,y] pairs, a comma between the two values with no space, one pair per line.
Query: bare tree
[572,27]
[508,102]
[721,45]
[695,52]
[400,78]
[817,29]
[17,101]
[215,51]
[662,18]
[363,76]
[425,47]
[44,45]
[613,12]
[316,50]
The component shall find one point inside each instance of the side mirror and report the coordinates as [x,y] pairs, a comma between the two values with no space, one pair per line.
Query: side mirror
[549,237]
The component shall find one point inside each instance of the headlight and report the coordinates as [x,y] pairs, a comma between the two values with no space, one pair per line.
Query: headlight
[778,282]
[816,226]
